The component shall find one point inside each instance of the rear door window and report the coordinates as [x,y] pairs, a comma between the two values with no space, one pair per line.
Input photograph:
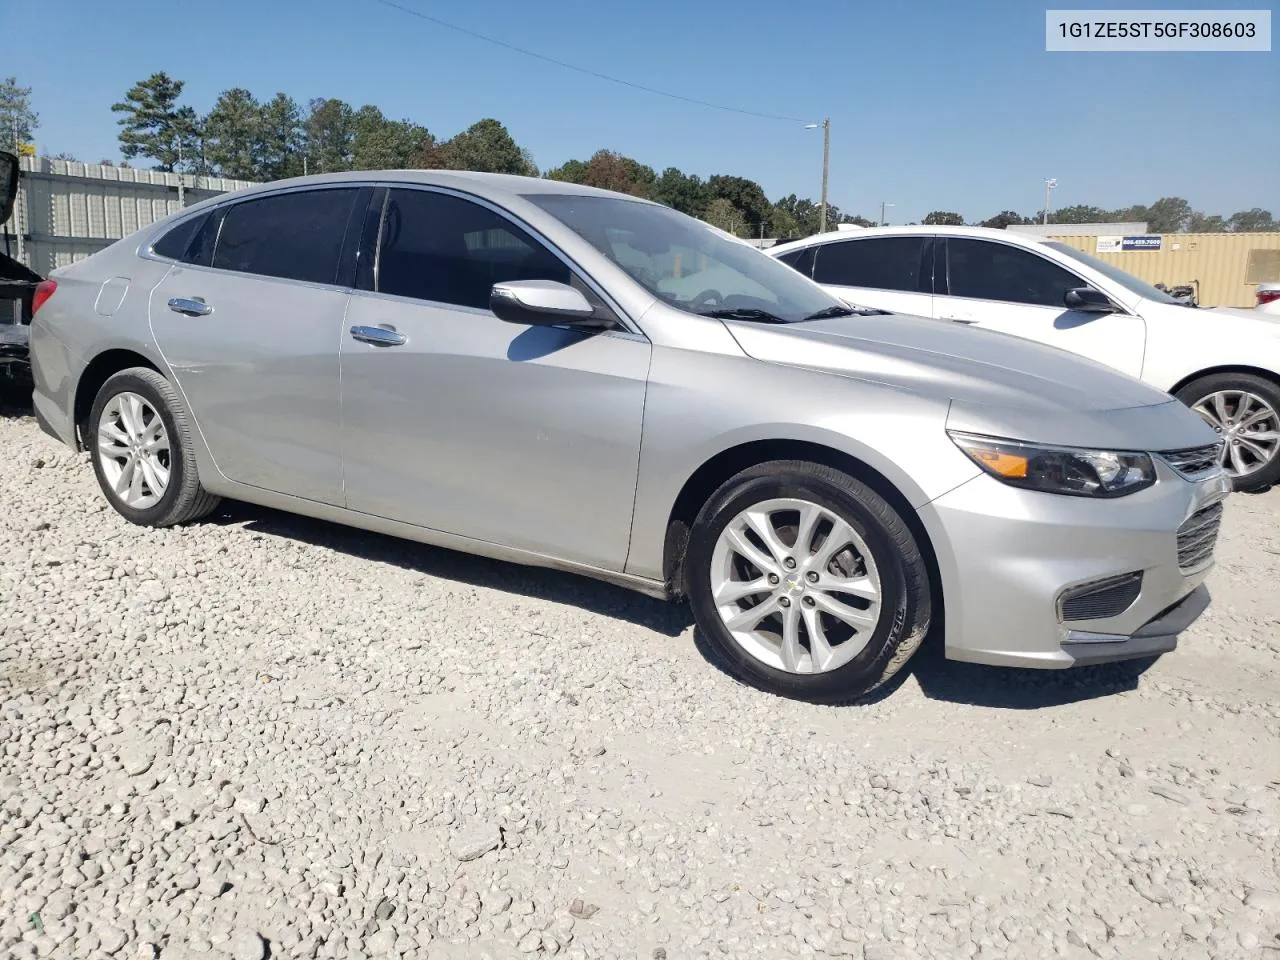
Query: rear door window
[879,263]
[295,236]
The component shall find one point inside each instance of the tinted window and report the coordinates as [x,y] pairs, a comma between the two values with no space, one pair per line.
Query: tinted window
[800,260]
[200,250]
[1112,272]
[883,263]
[175,243]
[443,248]
[297,236]
[995,271]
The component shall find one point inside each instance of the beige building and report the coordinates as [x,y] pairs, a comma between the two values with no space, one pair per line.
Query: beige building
[1224,268]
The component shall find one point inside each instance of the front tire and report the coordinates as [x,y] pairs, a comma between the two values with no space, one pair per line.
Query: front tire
[807,582]
[139,436]
[1245,411]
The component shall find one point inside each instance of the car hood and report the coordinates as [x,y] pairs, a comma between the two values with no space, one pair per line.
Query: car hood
[993,382]
[1237,319]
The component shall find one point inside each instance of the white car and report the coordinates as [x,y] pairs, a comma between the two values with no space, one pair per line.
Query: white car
[1268,295]
[1222,362]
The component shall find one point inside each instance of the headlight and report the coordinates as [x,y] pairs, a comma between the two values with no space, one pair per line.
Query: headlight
[1073,471]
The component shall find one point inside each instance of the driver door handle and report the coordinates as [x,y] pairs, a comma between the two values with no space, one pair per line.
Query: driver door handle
[385,336]
[190,306]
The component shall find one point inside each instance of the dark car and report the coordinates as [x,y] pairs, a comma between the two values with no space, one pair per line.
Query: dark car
[17,286]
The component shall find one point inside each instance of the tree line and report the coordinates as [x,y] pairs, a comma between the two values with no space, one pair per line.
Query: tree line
[245,138]
[1166,215]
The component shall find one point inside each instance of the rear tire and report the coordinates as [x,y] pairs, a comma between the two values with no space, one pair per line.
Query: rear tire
[858,596]
[140,441]
[1254,396]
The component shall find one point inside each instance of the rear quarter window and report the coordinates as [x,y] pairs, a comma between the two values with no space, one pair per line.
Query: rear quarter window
[799,260]
[175,244]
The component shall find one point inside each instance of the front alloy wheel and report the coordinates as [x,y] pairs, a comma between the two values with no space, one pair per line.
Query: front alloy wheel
[1244,410]
[1248,425]
[807,582]
[795,586]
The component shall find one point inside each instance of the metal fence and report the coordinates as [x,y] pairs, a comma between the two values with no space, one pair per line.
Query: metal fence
[66,211]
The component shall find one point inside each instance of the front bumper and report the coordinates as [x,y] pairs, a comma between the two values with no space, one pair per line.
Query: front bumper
[1007,557]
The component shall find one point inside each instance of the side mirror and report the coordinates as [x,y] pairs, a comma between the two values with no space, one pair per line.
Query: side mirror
[543,303]
[8,184]
[1088,300]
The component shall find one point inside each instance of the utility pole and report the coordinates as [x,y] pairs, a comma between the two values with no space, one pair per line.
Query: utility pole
[182,197]
[1049,184]
[826,154]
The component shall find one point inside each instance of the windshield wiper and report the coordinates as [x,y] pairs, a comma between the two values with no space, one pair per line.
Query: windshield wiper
[826,312]
[835,311]
[742,313]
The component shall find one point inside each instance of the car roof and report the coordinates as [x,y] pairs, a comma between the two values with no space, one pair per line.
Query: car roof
[491,186]
[913,230]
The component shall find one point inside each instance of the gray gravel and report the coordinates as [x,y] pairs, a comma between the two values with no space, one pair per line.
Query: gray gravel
[267,736]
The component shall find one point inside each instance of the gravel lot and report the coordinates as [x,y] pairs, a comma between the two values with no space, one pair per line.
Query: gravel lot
[264,736]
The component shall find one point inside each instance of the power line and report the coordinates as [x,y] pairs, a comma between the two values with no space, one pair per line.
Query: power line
[573,66]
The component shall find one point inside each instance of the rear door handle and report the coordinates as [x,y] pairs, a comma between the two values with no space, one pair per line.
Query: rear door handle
[959,317]
[191,306]
[378,336]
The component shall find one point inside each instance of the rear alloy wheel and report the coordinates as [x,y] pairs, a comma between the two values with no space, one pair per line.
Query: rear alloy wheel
[1244,409]
[133,450]
[807,581]
[139,437]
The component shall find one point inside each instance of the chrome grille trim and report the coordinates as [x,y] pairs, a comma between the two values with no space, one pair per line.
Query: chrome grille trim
[1198,536]
[1100,599]
[1194,462]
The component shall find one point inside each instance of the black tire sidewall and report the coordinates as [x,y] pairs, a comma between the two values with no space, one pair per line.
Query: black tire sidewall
[865,670]
[1197,390]
[128,382]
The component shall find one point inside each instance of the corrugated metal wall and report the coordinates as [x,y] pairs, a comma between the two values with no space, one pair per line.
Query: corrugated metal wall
[1220,261]
[67,211]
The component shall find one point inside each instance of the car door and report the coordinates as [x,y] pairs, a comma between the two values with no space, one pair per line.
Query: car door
[1001,286]
[249,321]
[888,273]
[461,422]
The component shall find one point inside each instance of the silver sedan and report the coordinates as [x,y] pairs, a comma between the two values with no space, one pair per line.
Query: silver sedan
[556,375]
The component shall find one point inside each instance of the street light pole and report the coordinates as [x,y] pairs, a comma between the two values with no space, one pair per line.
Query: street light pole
[182,198]
[883,204]
[1049,184]
[826,157]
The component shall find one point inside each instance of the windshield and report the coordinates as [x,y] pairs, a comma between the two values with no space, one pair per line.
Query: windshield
[688,263]
[1112,272]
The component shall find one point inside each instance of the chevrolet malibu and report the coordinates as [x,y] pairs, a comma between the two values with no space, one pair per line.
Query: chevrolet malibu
[561,376]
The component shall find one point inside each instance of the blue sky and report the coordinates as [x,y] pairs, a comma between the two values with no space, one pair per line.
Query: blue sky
[934,104]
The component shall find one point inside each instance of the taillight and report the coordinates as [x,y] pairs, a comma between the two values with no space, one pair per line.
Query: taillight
[44,290]
[1268,296]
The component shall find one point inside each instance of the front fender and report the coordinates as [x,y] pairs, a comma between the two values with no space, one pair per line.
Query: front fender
[697,409]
